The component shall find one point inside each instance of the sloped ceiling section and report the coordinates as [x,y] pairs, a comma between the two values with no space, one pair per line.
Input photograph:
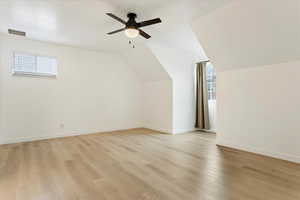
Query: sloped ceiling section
[179,38]
[146,65]
[173,49]
[251,33]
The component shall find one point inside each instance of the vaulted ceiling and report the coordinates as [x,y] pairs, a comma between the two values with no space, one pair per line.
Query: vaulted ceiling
[83,23]
[234,33]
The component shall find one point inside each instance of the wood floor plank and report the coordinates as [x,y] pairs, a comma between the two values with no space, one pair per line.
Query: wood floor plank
[142,164]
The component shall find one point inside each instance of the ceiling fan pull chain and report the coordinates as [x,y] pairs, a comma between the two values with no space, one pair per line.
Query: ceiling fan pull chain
[131,43]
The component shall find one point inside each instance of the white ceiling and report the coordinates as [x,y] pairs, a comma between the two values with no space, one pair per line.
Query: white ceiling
[83,23]
[251,33]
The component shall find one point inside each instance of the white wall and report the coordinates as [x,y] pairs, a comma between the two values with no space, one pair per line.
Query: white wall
[184,105]
[258,110]
[157,88]
[212,113]
[93,92]
[157,105]
[180,66]
[1,93]
[255,47]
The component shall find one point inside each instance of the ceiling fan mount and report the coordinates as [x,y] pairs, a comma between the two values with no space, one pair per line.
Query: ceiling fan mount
[132,28]
[131,15]
[131,23]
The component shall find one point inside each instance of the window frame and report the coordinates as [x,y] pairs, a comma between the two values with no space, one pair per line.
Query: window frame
[211,83]
[36,73]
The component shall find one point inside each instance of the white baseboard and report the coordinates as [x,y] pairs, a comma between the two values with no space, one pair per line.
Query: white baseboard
[35,138]
[182,131]
[158,130]
[264,152]
[173,132]
[52,136]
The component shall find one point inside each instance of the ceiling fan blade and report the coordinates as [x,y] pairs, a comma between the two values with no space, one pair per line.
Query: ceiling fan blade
[149,22]
[116,18]
[144,34]
[116,31]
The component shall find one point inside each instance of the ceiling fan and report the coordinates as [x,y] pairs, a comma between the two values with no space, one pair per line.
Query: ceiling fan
[132,28]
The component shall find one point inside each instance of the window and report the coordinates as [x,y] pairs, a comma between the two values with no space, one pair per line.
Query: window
[211,81]
[26,64]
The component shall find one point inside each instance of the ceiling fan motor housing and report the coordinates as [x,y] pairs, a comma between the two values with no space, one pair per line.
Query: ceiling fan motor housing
[131,22]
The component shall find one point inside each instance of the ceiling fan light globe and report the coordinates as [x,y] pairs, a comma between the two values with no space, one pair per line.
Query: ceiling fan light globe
[131,32]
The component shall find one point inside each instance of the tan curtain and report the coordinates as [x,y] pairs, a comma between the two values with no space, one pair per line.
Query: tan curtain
[202,119]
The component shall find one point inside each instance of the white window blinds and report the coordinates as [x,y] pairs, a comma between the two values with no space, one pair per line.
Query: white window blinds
[34,65]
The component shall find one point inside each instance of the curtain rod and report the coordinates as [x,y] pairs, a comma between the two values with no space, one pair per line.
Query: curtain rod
[204,61]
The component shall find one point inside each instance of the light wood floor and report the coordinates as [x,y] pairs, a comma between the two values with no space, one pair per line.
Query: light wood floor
[141,165]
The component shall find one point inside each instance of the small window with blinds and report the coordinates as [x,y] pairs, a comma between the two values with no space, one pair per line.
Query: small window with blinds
[27,64]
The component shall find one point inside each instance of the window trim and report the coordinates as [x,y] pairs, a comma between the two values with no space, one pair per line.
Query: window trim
[24,73]
[211,94]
